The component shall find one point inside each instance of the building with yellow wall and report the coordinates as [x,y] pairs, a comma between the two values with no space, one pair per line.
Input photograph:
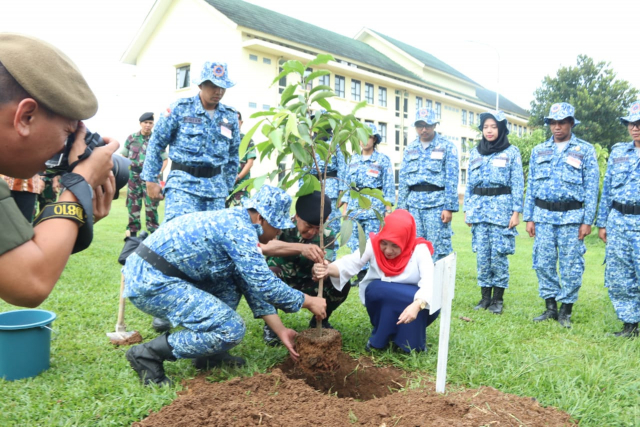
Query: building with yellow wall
[395,79]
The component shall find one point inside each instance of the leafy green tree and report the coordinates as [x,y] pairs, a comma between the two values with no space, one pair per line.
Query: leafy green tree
[598,97]
[293,132]
[525,143]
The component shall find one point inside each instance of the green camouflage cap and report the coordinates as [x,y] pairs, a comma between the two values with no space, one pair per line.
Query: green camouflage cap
[48,75]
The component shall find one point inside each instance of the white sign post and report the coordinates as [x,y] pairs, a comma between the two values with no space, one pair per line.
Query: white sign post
[444,283]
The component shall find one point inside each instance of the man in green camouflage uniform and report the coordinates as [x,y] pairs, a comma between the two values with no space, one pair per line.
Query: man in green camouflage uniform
[244,171]
[135,149]
[292,255]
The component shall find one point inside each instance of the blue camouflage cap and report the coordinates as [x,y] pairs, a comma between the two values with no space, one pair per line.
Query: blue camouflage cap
[374,129]
[217,73]
[497,115]
[634,114]
[427,115]
[561,110]
[273,204]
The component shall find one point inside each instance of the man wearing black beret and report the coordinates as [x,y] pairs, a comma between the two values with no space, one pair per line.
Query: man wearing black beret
[135,149]
[292,255]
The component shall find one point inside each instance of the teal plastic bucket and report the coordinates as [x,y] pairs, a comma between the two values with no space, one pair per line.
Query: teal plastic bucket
[25,343]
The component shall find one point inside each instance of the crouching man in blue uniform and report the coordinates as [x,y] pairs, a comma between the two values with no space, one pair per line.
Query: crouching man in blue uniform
[619,223]
[193,272]
[559,208]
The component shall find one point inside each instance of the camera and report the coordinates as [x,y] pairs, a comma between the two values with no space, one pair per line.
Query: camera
[59,163]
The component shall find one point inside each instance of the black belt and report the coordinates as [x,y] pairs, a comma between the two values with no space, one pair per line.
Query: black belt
[626,209]
[559,206]
[493,191]
[331,174]
[197,171]
[426,187]
[161,264]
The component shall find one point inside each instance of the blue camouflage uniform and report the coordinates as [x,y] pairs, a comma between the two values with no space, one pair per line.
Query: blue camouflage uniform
[377,173]
[336,171]
[435,166]
[219,252]
[492,239]
[196,139]
[622,188]
[570,175]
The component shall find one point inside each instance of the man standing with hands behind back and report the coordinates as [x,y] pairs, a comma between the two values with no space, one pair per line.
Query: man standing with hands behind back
[204,139]
[559,208]
[135,149]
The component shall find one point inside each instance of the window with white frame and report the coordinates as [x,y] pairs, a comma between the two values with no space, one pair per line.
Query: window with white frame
[471,118]
[282,83]
[429,104]
[355,90]
[382,128]
[183,76]
[438,111]
[310,82]
[382,96]
[368,93]
[464,117]
[339,90]
[418,103]
[324,80]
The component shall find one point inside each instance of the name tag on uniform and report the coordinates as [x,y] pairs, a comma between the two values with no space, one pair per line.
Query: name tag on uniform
[574,161]
[437,155]
[499,163]
[194,120]
[225,131]
[373,172]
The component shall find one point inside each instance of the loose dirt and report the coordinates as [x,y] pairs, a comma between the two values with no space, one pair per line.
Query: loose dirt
[356,393]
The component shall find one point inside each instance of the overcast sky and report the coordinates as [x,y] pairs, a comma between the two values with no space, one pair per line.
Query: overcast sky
[533,37]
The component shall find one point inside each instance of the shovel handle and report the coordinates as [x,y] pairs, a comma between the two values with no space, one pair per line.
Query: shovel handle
[121,307]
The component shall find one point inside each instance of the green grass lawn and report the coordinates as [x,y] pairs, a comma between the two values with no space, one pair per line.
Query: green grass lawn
[592,376]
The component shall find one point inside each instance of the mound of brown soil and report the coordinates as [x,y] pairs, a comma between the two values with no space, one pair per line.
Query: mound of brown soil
[357,393]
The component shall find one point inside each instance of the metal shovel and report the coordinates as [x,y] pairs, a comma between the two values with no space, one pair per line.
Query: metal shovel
[121,336]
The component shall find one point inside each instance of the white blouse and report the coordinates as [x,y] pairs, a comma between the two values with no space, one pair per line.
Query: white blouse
[419,271]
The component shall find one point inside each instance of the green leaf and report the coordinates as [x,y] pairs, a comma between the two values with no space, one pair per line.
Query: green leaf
[376,194]
[324,104]
[363,134]
[294,66]
[281,75]
[333,123]
[364,202]
[300,153]
[320,87]
[358,106]
[292,126]
[266,129]
[346,230]
[271,112]
[247,138]
[380,217]
[268,149]
[307,187]
[362,239]
[259,182]
[339,201]
[322,95]
[303,131]
[287,94]
[242,186]
[276,138]
[322,58]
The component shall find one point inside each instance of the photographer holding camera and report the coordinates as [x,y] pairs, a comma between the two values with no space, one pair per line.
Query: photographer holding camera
[42,98]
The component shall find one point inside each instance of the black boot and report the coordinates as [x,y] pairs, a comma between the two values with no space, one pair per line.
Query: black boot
[486,298]
[630,331]
[325,323]
[160,325]
[209,362]
[146,359]
[496,301]
[550,313]
[564,317]
[270,338]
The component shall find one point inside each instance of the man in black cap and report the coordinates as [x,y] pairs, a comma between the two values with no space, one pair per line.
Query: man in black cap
[135,149]
[42,98]
[292,255]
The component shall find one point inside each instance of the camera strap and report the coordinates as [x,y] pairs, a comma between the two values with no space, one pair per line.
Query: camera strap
[84,193]
[67,210]
[86,154]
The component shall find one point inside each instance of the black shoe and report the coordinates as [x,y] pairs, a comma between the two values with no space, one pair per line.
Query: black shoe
[325,323]
[270,338]
[496,301]
[486,298]
[147,360]
[368,347]
[209,362]
[160,325]
[550,313]
[564,316]
[630,331]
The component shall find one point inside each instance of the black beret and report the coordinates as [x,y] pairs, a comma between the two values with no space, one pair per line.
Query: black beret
[146,116]
[308,207]
[47,75]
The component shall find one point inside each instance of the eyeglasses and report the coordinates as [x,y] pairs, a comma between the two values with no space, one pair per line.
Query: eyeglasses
[425,126]
[634,125]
